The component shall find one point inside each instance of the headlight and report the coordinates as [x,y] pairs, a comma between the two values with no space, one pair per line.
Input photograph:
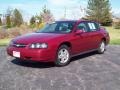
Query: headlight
[38,45]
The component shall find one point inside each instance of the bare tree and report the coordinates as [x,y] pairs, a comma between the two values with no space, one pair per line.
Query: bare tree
[46,15]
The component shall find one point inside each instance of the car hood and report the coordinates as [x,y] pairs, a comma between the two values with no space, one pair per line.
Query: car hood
[36,37]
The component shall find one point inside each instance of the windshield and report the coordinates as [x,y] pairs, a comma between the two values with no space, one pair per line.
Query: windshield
[57,27]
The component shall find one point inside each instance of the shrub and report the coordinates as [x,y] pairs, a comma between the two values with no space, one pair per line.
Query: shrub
[3,34]
[41,25]
[24,29]
[13,32]
[117,25]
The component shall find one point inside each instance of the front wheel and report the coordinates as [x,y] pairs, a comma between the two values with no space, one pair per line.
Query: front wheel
[102,48]
[63,56]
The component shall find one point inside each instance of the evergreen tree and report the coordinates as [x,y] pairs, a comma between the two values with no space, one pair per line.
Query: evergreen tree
[38,19]
[99,10]
[17,18]
[8,17]
[8,21]
[32,20]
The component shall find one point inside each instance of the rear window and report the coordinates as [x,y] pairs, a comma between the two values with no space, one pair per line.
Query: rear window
[93,26]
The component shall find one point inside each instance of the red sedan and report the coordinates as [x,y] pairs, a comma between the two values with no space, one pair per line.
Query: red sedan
[59,41]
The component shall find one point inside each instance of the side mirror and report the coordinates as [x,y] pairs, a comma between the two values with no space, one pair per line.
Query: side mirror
[79,32]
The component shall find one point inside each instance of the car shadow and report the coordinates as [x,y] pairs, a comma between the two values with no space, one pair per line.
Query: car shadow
[47,64]
[33,64]
[78,57]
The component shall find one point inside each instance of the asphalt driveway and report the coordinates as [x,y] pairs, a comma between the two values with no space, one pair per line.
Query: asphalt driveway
[87,72]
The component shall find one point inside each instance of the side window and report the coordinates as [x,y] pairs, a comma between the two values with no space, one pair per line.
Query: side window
[65,27]
[93,26]
[82,26]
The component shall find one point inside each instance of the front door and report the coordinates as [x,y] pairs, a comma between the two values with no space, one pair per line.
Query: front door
[82,42]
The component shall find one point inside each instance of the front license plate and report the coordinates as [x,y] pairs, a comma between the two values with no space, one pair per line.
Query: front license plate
[16,54]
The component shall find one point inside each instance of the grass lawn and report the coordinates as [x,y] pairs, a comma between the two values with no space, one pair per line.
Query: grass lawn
[4,42]
[114,35]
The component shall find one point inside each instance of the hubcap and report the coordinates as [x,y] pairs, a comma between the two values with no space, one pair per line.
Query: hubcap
[102,47]
[63,55]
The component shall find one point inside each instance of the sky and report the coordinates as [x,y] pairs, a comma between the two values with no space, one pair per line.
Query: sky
[72,9]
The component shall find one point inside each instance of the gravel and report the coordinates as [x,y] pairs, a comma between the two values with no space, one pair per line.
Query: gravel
[86,72]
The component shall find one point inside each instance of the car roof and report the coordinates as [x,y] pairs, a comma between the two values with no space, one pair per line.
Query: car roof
[74,21]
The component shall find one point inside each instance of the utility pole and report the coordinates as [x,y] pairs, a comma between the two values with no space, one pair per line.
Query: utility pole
[65,13]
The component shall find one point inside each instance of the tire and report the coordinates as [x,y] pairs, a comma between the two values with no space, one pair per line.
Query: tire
[102,47]
[63,56]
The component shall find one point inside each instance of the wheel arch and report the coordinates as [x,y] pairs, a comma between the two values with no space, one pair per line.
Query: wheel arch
[66,43]
[104,39]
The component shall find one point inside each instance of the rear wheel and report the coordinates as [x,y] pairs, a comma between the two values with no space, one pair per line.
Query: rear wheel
[102,47]
[63,56]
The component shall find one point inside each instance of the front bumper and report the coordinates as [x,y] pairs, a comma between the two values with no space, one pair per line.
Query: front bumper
[42,55]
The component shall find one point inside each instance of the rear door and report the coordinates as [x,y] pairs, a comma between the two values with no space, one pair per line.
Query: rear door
[94,34]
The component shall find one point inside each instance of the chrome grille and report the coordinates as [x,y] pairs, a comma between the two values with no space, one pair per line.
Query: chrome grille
[19,45]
